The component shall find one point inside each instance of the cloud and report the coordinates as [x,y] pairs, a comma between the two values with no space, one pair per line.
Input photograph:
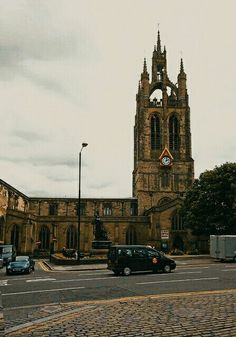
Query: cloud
[99,185]
[26,135]
[48,161]
[69,74]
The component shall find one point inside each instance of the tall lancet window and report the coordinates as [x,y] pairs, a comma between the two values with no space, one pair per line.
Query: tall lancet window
[174,139]
[155,133]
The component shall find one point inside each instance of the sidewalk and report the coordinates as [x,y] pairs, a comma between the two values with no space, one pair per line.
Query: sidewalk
[196,314]
[180,259]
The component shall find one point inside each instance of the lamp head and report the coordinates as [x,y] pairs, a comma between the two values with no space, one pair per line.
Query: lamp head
[84,144]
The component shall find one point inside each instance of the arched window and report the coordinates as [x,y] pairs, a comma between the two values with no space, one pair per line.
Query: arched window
[164,201]
[174,140]
[15,236]
[165,180]
[177,222]
[131,237]
[71,238]
[155,133]
[44,237]
[1,227]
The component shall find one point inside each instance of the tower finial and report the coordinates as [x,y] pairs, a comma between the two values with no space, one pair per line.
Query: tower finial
[181,65]
[158,42]
[145,66]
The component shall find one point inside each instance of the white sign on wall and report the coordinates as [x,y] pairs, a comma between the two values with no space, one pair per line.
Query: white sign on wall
[165,234]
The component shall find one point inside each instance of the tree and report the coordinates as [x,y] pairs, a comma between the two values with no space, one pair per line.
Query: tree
[210,206]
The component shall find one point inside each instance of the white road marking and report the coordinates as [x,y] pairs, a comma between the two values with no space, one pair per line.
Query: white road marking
[177,273]
[3,283]
[25,278]
[228,269]
[189,272]
[194,268]
[183,280]
[41,280]
[41,291]
[86,279]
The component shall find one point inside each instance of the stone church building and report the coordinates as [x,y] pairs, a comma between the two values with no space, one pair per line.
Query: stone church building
[163,171]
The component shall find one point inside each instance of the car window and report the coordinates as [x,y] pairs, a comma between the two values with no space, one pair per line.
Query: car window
[152,252]
[22,258]
[124,252]
[140,252]
[7,250]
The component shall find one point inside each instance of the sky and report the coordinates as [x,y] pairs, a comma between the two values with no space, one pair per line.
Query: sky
[69,73]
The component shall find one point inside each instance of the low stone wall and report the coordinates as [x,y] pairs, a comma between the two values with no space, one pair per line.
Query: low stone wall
[71,262]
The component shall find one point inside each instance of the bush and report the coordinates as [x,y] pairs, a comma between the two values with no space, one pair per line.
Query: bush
[176,252]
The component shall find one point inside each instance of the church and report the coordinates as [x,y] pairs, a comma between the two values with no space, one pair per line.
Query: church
[163,171]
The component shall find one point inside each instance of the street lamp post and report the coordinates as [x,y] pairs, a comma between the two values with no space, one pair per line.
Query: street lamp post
[78,234]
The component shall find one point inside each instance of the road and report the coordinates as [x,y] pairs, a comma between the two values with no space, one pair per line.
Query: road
[43,287]
[61,296]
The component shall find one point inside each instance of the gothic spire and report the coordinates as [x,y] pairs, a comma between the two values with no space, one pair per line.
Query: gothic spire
[145,66]
[158,43]
[181,72]
[145,74]
[181,66]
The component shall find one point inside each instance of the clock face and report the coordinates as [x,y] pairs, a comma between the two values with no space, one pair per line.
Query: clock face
[165,161]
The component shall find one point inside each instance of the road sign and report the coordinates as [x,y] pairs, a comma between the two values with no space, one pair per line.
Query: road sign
[165,234]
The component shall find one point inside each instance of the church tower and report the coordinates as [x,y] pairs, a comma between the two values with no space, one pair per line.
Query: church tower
[163,164]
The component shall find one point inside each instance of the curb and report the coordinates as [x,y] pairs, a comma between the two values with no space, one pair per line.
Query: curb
[90,268]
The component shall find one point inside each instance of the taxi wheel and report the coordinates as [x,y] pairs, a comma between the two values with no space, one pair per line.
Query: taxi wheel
[167,268]
[126,271]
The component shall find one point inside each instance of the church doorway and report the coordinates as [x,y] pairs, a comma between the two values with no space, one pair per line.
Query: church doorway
[178,243]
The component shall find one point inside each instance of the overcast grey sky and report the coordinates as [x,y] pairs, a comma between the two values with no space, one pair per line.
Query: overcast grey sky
[69,73]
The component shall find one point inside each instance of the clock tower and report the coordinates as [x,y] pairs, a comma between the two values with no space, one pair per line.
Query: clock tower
[163,164]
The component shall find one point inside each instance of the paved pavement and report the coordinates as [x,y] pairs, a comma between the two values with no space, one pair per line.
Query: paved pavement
[201,314]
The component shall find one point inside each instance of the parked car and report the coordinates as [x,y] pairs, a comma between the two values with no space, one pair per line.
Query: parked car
[18,267]
[26,258]
[128,258]
[7,253]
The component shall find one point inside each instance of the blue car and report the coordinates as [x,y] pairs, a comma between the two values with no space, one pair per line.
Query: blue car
[28,259]
[18,267]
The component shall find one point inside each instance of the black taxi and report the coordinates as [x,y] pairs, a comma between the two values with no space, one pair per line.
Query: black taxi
[125,259]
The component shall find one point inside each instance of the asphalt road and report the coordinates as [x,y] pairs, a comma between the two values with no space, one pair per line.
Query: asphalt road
[42,287]
[198,299]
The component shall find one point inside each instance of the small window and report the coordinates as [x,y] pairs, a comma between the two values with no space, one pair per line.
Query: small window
[82,209]
[53,209]
[134,209]
[107,209]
